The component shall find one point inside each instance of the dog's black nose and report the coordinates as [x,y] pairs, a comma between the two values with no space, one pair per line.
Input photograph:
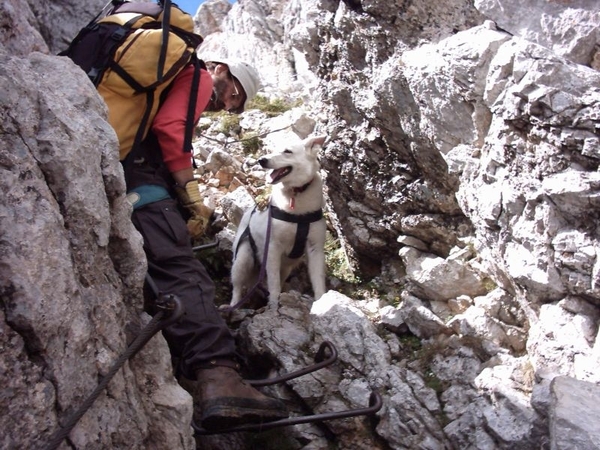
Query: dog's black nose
[263,161]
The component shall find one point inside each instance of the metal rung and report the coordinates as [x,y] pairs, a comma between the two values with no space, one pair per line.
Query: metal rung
[375,404]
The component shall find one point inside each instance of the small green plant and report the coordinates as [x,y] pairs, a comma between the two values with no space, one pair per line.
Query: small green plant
[428,352]
[202,127]
[271,108]
[432,381]
[251,143]
[411,345]
[489,285]
[395,301]
[230,123]
[336,260]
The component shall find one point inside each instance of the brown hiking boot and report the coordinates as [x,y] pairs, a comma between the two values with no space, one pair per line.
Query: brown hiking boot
[224,400]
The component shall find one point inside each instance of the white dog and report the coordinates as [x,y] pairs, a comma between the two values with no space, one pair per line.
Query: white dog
[297,225]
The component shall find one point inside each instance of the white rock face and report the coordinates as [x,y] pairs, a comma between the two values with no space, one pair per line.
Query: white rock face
[72,272]
[569,398]
[272,36]
[210,16]
[569,30]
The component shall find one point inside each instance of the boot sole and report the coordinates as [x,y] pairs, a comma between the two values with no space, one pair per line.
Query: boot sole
[229,413]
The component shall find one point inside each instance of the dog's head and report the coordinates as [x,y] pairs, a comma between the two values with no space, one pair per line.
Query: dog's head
[296,164]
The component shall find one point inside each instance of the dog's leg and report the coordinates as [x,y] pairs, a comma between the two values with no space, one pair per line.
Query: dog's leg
[316,269]
[242,272]
[286,269]
[274,273]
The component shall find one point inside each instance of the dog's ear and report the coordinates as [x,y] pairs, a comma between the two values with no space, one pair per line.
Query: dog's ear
[313,143]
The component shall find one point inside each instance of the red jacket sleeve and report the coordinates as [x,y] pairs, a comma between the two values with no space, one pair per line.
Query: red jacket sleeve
[169,122]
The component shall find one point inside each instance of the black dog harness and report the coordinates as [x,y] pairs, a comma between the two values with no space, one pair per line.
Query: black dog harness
[303,221]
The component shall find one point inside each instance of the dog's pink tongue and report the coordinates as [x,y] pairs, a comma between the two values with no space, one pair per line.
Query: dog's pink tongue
[275,174]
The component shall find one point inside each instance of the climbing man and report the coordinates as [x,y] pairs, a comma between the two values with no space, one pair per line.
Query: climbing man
[165,197]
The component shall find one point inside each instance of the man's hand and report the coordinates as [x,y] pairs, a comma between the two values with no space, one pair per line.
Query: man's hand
[189,197]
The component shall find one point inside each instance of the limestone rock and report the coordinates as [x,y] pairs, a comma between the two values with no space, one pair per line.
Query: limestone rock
[573,423]
[571,32]
[72,272]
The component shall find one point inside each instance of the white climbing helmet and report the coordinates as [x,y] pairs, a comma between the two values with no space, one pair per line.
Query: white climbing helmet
[244,73]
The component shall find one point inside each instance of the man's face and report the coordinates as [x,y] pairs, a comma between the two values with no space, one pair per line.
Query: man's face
[229,93]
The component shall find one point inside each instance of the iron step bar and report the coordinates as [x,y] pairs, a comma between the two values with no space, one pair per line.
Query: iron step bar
[321,361]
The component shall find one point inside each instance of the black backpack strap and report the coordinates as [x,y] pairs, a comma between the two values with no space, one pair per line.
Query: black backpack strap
[190,123]
[166,26]
[137,87]
[144,122]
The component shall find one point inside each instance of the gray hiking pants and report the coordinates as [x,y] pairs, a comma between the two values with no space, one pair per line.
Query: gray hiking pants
[201,338]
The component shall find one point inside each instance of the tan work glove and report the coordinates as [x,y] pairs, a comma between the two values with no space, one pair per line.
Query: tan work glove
[189,197]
